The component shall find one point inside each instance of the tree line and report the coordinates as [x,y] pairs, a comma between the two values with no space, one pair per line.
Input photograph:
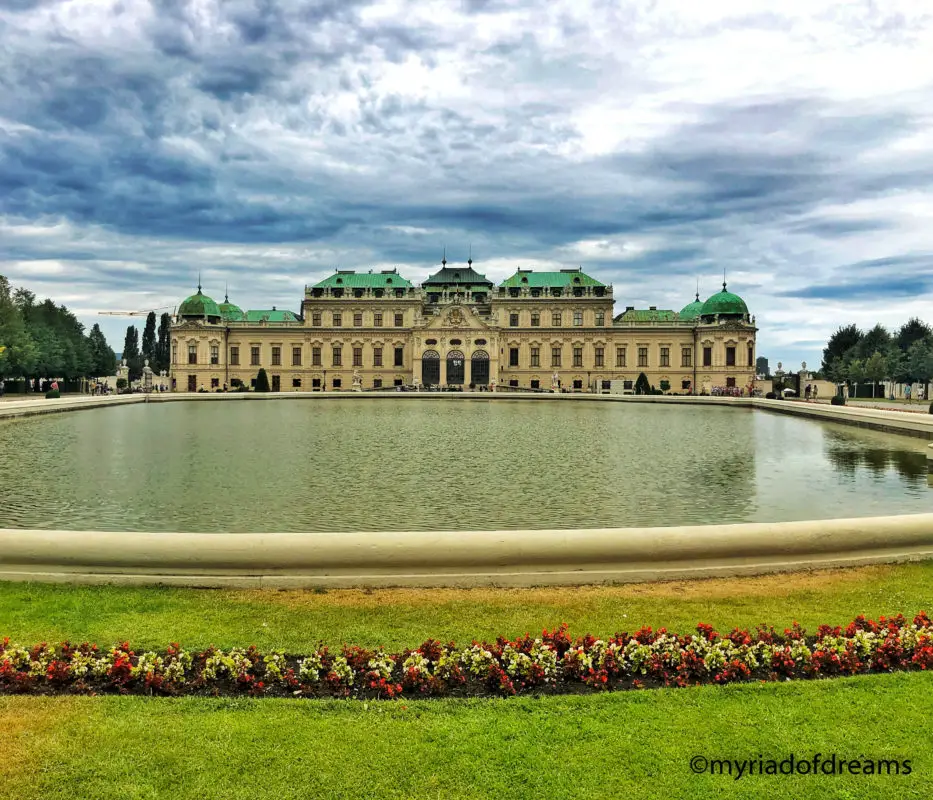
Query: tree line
[853,356]
[156,347]
[46,341]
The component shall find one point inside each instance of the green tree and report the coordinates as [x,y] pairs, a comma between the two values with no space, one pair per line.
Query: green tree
[149,340]
[920,361]
[839,344]
[877,340]
[761,367]
[641,384]
[17,349]
[914,330]
[896,365]
[163,344]
[262,381]
[874,370]
[103,359]
[131,353]
[856,373]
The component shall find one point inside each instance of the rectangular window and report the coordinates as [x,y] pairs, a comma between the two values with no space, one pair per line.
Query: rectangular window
[513,356]
[377,356]
[296,383]
[642,356]
[357,320]
[620,356]
[315,383]
[234,356]
[215,354]
[399,356]
[174,353]
[536,356]
[578,356]
[577,318]
[316,319]
[357,356]
[513,320]
[377,383]
[751,356]
[535,384]
[276,356]
[254,356]
[730,383]
[338,357]
[215,383]
[555,356]
[192,353]
[555,319]
[315,356]
[377,319]
[513,382]
[296,356]
[730,356]
[600,318]
[338,319]
[600,357]
[665,356]
[686,357]
[707,356]
[397,382]
[535,319]
[338,382]
[399,320]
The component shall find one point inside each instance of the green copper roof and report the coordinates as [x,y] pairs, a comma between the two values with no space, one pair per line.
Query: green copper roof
[646,315]
[550,280]
[724,303]
[273,315]
[230,311]
[692,310]
[457,276]
[198,305]
[350,279]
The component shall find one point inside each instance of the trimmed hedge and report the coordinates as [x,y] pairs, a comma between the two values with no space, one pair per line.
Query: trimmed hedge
[52,394]
[551,663]
[837,400]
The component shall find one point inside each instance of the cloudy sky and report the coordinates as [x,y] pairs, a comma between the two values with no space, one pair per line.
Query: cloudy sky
[265,142]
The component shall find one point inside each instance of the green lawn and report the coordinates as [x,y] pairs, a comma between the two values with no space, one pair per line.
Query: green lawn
[635,744]
[296,620]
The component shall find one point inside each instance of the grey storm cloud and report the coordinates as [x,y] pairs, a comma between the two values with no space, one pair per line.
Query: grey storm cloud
[269,141]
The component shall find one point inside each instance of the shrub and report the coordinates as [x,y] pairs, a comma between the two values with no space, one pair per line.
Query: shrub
[641,384]
[52,394]
[931,408]
[121,384]
[839,400]
[665,386]
[262,381]
[770,396]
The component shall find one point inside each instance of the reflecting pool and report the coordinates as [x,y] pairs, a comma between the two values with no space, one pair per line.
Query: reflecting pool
[380,464]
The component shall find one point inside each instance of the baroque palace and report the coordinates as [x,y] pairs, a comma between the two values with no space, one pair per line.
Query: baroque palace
[535,330]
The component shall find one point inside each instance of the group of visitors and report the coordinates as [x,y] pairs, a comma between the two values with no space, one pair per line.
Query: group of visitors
[811,391]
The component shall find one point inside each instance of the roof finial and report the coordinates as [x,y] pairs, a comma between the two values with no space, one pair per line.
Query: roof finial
[698,290]
[226,292]
[199,281]
[444,259]
[470,259]
[724,279]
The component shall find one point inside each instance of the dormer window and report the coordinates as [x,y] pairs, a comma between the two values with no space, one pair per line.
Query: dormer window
[339,281]
[576,280]
[456,276]
[524,280]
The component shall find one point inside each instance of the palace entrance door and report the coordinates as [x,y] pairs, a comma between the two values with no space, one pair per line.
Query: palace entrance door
[192,383]
[430,368]
[455,367]
[479,368]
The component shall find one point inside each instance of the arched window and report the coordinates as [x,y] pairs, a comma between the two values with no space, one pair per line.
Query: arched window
[455,367]
[479,368]
[430,368]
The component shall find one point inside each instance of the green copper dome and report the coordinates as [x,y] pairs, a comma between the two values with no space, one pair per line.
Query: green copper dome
[231,312]
[198,305]
[724,302]
[692,310]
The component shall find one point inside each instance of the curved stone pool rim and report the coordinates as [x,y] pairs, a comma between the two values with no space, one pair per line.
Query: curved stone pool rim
[472,558]
[459,558]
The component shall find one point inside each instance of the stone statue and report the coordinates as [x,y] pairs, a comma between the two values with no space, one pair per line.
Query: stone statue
[555,381]
[357,381]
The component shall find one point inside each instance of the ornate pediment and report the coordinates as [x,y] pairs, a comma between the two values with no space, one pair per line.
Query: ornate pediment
[455,317]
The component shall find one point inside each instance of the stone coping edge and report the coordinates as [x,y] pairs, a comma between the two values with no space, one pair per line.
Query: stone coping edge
[459,558]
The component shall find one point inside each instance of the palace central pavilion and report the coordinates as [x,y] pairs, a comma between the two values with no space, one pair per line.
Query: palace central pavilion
[535,330]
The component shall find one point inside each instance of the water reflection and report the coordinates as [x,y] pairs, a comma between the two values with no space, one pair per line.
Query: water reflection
[345,465]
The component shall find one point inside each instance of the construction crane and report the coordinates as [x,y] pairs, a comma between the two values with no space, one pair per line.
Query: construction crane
[133,313]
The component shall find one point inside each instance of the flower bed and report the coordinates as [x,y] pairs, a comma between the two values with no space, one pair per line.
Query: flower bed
[549,664]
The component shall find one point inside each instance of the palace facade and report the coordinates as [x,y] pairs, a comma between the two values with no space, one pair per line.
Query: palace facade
[535,330]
